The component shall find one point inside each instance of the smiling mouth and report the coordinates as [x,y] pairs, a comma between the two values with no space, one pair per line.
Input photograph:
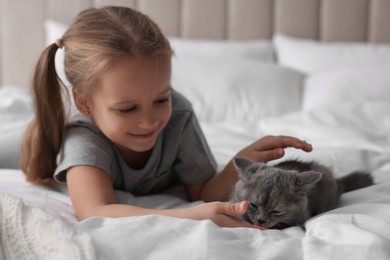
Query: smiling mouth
[144,136]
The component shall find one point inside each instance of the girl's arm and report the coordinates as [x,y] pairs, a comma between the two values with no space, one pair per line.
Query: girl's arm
[265,149]
[92,195]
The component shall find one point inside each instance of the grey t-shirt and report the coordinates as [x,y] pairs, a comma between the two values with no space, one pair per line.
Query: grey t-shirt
[180,153]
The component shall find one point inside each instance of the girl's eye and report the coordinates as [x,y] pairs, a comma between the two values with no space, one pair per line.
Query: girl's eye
[158,101]
[126,110]
[163,100]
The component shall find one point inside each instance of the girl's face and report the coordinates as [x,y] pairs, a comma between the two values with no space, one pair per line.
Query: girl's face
[133,103]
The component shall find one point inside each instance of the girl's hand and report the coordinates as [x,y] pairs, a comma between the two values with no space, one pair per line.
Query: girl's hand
[271,147]
[223,214]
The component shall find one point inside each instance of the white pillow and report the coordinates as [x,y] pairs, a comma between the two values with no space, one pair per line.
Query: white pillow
[310,56]
[347,85]
[16,111]
[238,90]
[252,49]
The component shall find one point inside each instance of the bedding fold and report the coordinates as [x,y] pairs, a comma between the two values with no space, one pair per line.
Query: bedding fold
[31,232]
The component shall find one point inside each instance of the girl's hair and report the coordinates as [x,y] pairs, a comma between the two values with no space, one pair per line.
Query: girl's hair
[95,40]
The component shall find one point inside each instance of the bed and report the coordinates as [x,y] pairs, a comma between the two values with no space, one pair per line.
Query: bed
[315,69]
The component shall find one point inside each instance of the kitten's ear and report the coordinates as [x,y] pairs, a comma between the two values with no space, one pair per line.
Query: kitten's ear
[245,166]
[305,178]
[242,163]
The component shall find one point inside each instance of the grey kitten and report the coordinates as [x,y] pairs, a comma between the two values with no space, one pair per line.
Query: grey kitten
[289,193]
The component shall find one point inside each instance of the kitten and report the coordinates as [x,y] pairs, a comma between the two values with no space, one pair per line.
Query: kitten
[290,192]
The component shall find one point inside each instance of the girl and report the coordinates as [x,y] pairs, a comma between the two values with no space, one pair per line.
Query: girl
[133,132]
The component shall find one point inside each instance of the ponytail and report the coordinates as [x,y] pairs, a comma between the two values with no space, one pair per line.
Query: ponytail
[43,137]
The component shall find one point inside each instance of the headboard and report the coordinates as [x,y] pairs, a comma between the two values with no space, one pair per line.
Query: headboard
[22,32]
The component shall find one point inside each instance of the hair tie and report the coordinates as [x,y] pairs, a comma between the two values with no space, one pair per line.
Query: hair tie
[59,43]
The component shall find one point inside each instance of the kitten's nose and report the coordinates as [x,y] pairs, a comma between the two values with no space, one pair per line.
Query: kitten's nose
[261,221]
[261,217]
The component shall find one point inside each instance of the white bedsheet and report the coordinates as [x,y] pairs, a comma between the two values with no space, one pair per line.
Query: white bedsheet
[358,229]
[347,137]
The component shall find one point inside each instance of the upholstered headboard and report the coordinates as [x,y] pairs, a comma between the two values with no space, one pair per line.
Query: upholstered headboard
[22,32]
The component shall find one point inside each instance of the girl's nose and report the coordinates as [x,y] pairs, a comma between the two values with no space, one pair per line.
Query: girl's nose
[147,120]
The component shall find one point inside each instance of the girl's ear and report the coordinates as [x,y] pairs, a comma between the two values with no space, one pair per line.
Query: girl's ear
[81,103]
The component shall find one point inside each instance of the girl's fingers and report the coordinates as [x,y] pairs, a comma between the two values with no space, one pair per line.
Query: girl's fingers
[274,142]
[271,148]
[266,156]
[234,223]
[230,222]
[233,210]
[228,211]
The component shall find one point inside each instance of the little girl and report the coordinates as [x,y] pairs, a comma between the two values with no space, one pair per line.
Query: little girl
[134,132]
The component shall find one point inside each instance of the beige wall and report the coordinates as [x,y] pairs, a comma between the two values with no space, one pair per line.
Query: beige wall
[22,34]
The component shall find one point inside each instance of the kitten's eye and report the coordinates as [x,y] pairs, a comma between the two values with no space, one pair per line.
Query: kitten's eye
[275,212]
[253,206]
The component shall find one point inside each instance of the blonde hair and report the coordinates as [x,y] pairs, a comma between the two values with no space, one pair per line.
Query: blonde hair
[95,40]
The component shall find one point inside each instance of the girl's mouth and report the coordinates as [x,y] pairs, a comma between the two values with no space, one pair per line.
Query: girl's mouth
[144,135]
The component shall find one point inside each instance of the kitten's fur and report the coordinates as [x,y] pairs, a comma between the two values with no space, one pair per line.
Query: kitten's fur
[290,192]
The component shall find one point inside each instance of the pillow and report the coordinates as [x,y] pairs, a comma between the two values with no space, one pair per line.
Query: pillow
[238,90]
[16,111]
[347,85]
[310,56]
[253,49]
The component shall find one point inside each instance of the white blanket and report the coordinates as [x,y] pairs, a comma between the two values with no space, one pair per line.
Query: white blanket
[30,232]
[359,229]
[355,232]
[346,138]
